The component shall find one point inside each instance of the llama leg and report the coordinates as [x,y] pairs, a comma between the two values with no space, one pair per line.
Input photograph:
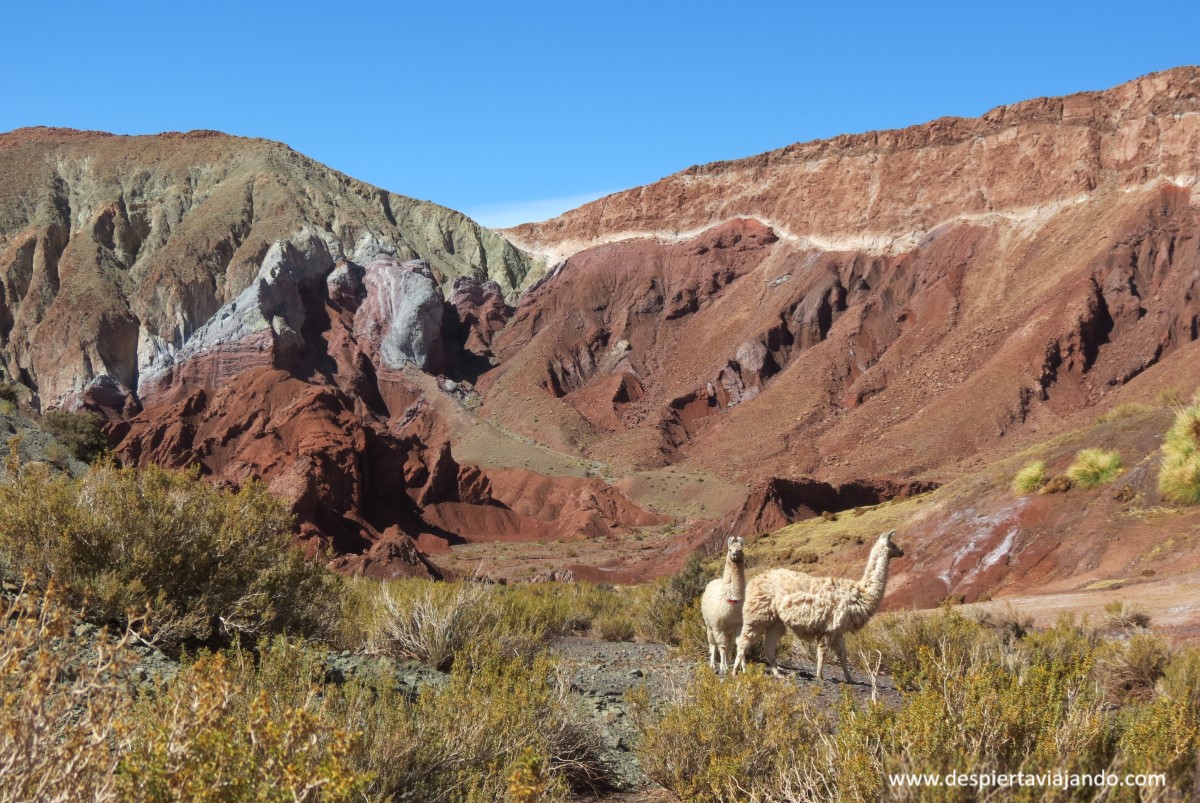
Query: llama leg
[723,646]
[771,644]
[820,657]
[712,650]
[839,644]
[751,632]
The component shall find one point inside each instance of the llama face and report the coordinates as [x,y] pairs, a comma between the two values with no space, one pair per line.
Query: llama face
[734,545]
[894,551]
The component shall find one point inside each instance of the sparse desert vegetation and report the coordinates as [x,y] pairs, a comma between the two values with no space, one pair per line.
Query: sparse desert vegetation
[253,713]
[976,698]
[263,723]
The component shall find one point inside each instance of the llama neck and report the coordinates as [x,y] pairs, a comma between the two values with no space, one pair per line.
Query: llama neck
[874,579]
[735,580]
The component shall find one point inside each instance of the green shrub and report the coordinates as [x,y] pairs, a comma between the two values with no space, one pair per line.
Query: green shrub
[1161,736]
[1030,478]
[1094,467]
[81,433]
[901,639]
[467,738]
[1181,678]
[208,562]
[660,619]
[1179,476]
[979,716]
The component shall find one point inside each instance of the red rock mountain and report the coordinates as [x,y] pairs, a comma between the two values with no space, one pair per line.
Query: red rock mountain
[914,306]
[231,303]
[828,326]
[888,304]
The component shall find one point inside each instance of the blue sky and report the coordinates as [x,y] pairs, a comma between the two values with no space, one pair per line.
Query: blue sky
[515,111]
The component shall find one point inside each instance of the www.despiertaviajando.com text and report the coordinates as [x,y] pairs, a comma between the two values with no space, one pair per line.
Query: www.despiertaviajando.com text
[1045,780]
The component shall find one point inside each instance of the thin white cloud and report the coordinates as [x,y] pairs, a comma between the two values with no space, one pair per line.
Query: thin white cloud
[510,213]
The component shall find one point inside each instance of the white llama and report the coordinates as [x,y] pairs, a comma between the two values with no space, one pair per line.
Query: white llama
[821,609]
[721,604]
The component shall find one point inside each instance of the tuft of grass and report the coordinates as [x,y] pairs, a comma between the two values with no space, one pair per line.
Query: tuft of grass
[57,454]
[1126,410]
[1171,398]
[1126,616]
[1179,476]
[1094,467]
[1031,477]
[614,627]
[1129,670]
[434,622]
[469,738]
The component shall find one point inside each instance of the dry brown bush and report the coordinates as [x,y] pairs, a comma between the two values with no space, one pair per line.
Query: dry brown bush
[60,708]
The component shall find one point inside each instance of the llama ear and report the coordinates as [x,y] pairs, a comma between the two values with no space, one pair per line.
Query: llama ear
[729,542]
